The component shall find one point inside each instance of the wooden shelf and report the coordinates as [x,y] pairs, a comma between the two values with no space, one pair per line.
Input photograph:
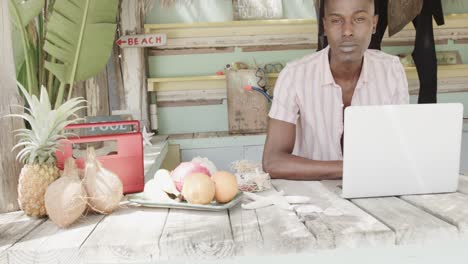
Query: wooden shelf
[452,78]
[297,33]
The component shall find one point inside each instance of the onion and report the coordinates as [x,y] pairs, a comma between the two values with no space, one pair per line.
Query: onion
[205,162]
[184,169]
[198,189]
[104,188]
[65,198]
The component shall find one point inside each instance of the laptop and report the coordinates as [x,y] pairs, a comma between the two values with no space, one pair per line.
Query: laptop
[396,150]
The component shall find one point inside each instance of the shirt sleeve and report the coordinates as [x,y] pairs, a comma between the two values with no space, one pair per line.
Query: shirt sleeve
[284,106]
[401,94]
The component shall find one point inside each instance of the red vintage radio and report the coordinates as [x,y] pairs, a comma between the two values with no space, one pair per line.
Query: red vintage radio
[125,159]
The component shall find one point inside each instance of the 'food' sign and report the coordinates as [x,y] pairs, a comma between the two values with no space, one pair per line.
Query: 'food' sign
[136,41]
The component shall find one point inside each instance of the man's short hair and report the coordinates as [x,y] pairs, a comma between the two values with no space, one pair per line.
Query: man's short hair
[376,3]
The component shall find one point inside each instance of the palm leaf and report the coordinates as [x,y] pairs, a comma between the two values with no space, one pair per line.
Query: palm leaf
[80,35]
[27,10]
[23,13]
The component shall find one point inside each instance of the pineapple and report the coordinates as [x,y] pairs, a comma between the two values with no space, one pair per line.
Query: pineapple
[39,145]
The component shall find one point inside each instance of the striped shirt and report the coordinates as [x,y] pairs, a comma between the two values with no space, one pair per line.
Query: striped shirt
[307,96]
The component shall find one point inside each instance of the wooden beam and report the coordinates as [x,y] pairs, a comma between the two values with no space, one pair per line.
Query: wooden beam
[193,83]
[452,79]
[115,81]
[134,70]
[159,52]
[9,167]
[190,103]
[281,32]
[97,94]
[279,47]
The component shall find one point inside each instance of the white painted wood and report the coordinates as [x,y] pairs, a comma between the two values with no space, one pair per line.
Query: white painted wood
[154,156]
[48,243]
[197,235]
[186,95]
[133,62]
[410,224]
[269,231]
[129,235]
[444,85]
[246,231]
[349,226]
[14,226]
[451,207]
[9,167]
[97,94]
[280,32]
[282,231]
[463,184]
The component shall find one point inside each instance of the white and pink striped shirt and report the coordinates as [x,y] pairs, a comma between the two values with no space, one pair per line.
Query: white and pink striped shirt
[307,95]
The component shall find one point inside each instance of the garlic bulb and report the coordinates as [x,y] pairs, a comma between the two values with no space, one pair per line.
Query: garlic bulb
[105,189]
[164,181]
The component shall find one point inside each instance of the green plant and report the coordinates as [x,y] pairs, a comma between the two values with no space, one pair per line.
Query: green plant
[63,42]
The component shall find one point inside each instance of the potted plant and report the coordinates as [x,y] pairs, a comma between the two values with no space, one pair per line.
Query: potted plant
[63,42]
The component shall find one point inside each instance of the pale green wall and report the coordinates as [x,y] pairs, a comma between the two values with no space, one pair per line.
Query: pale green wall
[173,120]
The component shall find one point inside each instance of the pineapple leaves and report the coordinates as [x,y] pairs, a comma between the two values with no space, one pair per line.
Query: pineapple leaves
[47,126]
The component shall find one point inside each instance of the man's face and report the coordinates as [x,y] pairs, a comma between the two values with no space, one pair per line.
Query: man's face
[349,25]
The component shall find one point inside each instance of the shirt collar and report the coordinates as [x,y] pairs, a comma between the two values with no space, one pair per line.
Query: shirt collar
[327,77]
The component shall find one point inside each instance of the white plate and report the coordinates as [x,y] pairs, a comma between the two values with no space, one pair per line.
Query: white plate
[139,198]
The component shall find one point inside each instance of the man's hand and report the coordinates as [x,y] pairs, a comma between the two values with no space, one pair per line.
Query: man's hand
[279,162]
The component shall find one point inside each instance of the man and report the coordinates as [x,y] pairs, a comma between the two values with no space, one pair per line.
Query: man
[305,131]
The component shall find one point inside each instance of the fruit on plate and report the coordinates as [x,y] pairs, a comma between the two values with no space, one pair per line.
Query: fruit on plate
[184,169]
[226,186]
[198,189]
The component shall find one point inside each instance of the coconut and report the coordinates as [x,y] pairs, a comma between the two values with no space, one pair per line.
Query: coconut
[65,198]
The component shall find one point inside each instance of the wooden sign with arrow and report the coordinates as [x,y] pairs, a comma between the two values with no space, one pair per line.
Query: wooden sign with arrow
[141,41]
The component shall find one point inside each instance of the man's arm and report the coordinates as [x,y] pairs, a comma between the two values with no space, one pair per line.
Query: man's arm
[279,162]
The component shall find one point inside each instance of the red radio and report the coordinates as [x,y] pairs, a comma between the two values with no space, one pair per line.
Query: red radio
[125,159]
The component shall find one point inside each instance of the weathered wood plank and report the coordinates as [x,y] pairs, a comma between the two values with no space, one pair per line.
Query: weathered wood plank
[191,103]
[129,235]
[97,95]
[115,82]
[159,52]
[282,230]
[14,226]
[451,207]
[269,231]
[191,95]
[281,32]
[280,47]
[79,90]
[246,231]
[153,158]
[196,235]
[9,167]
[49,244]
[410,224]
[463,184]
[133,62]
[338,220]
